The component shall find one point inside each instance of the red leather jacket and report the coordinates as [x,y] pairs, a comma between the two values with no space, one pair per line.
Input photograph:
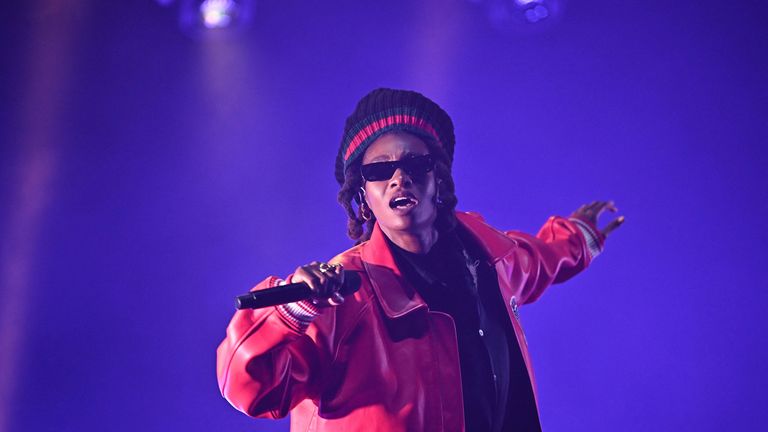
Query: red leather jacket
[382,361]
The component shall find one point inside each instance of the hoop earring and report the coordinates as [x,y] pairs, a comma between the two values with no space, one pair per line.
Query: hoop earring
[365,211]
[438,200]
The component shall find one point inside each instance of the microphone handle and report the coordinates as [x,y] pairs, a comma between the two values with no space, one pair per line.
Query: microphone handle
[290,293]
[278,295]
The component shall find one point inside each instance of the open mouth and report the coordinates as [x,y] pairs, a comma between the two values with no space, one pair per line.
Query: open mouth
[403,202]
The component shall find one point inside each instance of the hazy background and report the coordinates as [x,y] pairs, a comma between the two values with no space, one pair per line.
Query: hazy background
[149,172]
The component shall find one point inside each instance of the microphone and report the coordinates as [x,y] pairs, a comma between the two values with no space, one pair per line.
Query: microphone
[290,293]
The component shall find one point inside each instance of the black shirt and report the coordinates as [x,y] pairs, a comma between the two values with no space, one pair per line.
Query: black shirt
[456,278]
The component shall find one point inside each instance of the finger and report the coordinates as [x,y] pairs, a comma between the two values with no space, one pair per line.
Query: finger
[312,277]
[336,299]
[338,274]
[597,205]
[605,205]
[321,282]
[612,225]
[331,271]
[581,211]
[336,277]
[598,208]
[308,276]
[588,211]
[331,275]
[594,207]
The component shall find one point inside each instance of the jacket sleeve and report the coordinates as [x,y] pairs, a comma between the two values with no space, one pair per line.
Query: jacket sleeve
[562,248]
[267,363]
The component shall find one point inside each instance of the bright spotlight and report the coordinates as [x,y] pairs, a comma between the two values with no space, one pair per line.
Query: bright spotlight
[217,13]
[200,17]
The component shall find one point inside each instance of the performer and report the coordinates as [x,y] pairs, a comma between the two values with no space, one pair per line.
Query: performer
[432,340]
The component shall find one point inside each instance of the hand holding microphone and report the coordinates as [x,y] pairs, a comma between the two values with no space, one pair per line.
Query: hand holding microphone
[323,284]
[324,280]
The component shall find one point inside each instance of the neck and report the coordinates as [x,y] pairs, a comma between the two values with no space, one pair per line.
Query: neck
[418,243]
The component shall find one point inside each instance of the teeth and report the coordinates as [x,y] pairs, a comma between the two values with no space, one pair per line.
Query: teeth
[401,201]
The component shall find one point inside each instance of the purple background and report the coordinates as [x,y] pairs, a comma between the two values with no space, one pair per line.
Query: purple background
[147,177]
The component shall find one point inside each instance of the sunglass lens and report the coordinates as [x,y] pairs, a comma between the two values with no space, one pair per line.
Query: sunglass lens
[414,166]
[419,165]
[379,171]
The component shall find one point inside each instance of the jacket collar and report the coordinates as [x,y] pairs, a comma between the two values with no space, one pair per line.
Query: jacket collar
[496,244]
[396,295]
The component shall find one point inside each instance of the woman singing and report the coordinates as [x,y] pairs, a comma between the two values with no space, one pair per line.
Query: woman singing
[432,340]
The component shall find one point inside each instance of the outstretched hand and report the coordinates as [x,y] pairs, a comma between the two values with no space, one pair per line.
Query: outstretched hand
[590,213]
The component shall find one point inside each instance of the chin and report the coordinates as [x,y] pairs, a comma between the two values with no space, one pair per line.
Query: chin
[409,223]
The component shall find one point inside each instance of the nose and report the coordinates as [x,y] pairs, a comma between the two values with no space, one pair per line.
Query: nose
[400,178]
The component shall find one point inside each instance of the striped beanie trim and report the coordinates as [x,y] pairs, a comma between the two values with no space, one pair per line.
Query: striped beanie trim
[386,110]
[367,131]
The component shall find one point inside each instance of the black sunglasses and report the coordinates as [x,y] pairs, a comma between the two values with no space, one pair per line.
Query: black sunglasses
[414,166]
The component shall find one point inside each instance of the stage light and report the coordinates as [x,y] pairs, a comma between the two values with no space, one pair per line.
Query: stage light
[536,13]
[523,15]
[198,18]
[217,13]
[532,11]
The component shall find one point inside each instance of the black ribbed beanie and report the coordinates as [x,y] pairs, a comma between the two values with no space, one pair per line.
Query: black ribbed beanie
[387,110]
